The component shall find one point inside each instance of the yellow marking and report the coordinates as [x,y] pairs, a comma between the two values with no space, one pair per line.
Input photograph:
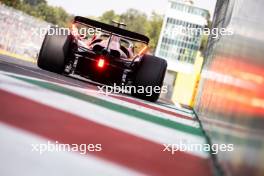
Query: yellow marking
[17,56]
[186,85]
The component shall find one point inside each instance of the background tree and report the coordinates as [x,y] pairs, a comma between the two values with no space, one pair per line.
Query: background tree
[108,16]
[135,20]
[34,2]
[13,3]
[153,29]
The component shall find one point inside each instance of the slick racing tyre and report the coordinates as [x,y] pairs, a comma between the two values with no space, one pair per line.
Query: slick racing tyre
[54,51]
[150,75]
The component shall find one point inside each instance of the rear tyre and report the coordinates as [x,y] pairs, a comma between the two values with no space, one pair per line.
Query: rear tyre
[150,75]
[54,52]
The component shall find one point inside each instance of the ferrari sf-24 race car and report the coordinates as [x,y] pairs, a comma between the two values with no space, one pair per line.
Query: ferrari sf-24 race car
[115,56]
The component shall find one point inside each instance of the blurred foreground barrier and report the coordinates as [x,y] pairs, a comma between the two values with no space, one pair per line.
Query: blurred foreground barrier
[230,101]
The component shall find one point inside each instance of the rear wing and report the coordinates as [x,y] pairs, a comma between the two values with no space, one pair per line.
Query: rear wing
[112,29]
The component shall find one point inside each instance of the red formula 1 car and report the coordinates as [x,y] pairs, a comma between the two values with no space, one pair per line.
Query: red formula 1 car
[108,54]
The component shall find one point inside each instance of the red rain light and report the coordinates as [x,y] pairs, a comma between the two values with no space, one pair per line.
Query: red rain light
[101,63]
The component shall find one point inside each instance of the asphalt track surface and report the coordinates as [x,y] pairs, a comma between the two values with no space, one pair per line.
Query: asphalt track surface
[38,107]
